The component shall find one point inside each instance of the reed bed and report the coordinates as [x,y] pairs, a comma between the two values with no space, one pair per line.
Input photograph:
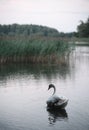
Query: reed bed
[33,50]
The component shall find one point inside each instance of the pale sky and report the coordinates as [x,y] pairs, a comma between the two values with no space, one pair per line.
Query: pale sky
[63,15]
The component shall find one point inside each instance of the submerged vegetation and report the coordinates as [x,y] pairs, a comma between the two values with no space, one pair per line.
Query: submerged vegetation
[40,45]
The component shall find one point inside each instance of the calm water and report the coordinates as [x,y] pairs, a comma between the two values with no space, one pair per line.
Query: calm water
[23,95]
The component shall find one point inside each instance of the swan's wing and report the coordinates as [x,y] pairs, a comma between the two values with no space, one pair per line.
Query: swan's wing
[53,99]
[57,101]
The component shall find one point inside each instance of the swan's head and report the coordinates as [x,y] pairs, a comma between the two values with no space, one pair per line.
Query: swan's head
[52,86]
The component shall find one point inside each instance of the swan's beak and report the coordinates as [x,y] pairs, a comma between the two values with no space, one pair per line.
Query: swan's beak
[48,88]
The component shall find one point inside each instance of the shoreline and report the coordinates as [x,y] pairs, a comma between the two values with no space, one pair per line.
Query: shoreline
[49,59]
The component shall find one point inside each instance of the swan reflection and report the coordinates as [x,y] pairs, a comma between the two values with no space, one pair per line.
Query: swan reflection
[57,115]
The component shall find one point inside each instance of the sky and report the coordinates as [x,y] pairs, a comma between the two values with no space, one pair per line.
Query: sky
[63,15]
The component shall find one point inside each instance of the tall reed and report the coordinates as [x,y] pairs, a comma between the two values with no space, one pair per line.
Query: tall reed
[26,49]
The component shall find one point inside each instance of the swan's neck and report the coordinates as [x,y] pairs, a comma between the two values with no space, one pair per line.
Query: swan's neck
[54,90]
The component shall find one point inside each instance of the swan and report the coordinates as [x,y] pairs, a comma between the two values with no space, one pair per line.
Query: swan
[56,101]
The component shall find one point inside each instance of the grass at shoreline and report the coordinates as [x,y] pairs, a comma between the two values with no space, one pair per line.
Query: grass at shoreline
[75,39]
[35,50]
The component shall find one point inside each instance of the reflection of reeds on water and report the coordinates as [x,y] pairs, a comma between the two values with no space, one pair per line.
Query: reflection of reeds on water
[38,71]
[57,115]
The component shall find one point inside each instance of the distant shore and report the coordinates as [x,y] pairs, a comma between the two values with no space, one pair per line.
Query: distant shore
[80,41]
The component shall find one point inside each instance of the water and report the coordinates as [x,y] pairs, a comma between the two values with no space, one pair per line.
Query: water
[23,95]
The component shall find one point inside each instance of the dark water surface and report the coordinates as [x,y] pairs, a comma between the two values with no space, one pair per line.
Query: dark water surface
[23,95]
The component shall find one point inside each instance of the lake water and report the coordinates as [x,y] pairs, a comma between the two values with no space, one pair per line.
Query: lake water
[23,95]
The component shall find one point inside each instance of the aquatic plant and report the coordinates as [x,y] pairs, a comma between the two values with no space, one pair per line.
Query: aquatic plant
[28,49]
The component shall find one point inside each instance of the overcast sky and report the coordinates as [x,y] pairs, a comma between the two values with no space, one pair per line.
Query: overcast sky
[63,15]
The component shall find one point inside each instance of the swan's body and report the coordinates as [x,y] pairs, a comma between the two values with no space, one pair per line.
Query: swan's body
[56,101]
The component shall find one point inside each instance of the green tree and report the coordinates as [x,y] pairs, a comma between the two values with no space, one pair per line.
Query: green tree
[83,29]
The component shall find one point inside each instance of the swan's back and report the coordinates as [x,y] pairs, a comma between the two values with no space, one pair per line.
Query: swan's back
[52,100]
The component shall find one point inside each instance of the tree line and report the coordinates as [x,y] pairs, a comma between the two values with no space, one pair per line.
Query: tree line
[38,30]
[28,30]
[32,30]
